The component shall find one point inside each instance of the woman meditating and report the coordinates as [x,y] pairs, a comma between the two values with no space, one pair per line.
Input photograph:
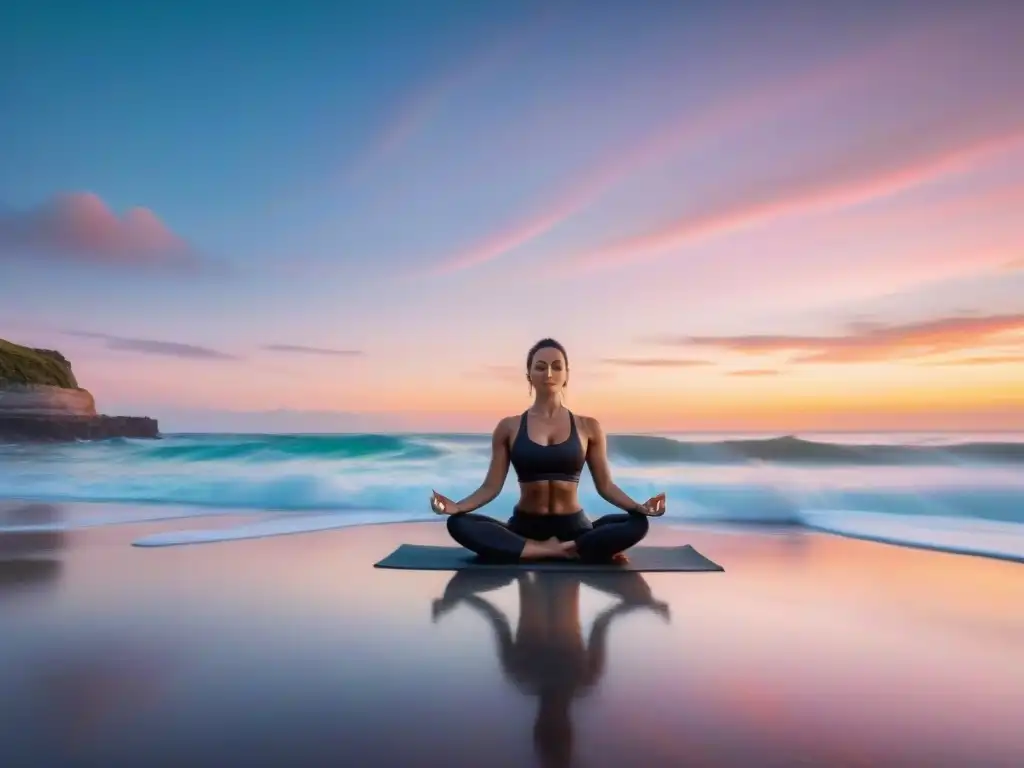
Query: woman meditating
[548,446]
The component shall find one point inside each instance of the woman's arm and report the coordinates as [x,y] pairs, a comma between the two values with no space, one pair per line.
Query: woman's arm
[597,460]
[502,631]
[494,481]
[597,644]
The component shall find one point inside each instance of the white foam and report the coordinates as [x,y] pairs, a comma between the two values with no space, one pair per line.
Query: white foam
[283,525]
[956,535]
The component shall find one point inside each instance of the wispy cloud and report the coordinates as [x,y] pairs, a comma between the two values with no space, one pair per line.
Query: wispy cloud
[981,360]
[755,372]
[422,104]
[80,227]
[654,362]
[1015,265]
[155,347]
[730,113]
[867,342]
[878,171]
[304,350]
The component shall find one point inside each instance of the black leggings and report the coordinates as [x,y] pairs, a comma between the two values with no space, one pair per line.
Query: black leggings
[595,541]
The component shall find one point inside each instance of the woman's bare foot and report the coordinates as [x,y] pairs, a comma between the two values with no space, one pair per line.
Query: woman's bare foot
[569,550]
[542,550]
[620,558]
[562,550]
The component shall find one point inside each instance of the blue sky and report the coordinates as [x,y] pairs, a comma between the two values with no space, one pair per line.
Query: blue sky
[438,185]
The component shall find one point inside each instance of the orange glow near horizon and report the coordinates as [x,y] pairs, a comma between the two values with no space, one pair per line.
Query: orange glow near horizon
[886,394]
[962,372]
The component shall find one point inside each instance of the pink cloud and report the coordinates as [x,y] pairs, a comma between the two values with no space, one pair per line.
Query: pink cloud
[731,113]
[79,226]
[868,342]
[863,177]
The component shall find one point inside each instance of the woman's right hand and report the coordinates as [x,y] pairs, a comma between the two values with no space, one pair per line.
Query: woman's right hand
[442,505]
[654,506]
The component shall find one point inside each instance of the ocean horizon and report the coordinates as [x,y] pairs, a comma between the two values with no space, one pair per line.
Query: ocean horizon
[953,491]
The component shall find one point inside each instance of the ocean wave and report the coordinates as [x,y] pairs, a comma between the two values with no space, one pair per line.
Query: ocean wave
[268,448]
[327,481]
[653,449]
[635,450]
[300,492]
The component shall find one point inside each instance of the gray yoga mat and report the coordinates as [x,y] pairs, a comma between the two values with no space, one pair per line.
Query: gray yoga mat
[416,557]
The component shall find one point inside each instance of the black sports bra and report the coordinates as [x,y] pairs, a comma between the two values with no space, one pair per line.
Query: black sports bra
[561,461]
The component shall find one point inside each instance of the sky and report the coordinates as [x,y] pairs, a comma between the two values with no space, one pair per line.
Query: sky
[735,215]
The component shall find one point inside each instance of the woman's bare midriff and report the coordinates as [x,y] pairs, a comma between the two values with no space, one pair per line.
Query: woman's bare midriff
[548,497]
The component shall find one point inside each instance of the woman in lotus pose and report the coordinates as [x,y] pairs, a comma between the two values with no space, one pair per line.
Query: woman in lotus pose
[547,446]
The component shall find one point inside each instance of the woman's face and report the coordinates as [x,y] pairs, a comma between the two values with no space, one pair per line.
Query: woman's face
[549,371]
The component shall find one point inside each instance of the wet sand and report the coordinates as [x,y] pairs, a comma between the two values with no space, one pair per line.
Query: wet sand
[294,650]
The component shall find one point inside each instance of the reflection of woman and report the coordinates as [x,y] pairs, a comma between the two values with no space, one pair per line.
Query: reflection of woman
[547,656]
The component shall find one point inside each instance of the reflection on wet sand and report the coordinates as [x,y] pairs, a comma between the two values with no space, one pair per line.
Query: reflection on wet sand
[547,656]
[65,696]
[30,540]
[294,651]
[68,689]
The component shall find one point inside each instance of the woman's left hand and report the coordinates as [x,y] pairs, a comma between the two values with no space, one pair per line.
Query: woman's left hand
[654,506]
[442,505]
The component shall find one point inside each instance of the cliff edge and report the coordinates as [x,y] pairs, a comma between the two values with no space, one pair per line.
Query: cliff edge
[40,400]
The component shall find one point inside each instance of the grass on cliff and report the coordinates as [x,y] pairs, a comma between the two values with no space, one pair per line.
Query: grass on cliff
[22,365]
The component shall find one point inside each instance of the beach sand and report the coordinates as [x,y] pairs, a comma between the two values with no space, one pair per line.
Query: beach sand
[295,651]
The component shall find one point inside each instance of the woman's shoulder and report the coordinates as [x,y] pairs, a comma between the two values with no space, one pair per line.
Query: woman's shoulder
[507,423]
[589,424]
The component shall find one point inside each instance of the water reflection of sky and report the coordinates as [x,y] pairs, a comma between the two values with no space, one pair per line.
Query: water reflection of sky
[295,651]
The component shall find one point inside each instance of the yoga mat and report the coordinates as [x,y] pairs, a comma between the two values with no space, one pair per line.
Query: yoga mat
[415,557]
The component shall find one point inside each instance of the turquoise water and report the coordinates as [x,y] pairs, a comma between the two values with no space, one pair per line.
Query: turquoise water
[955,492]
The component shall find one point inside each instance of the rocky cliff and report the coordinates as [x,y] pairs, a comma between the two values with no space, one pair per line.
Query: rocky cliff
[44,400]
[40,400]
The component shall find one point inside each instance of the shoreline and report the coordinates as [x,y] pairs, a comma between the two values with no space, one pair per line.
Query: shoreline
[294,649]
[249,522]
[957,551]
